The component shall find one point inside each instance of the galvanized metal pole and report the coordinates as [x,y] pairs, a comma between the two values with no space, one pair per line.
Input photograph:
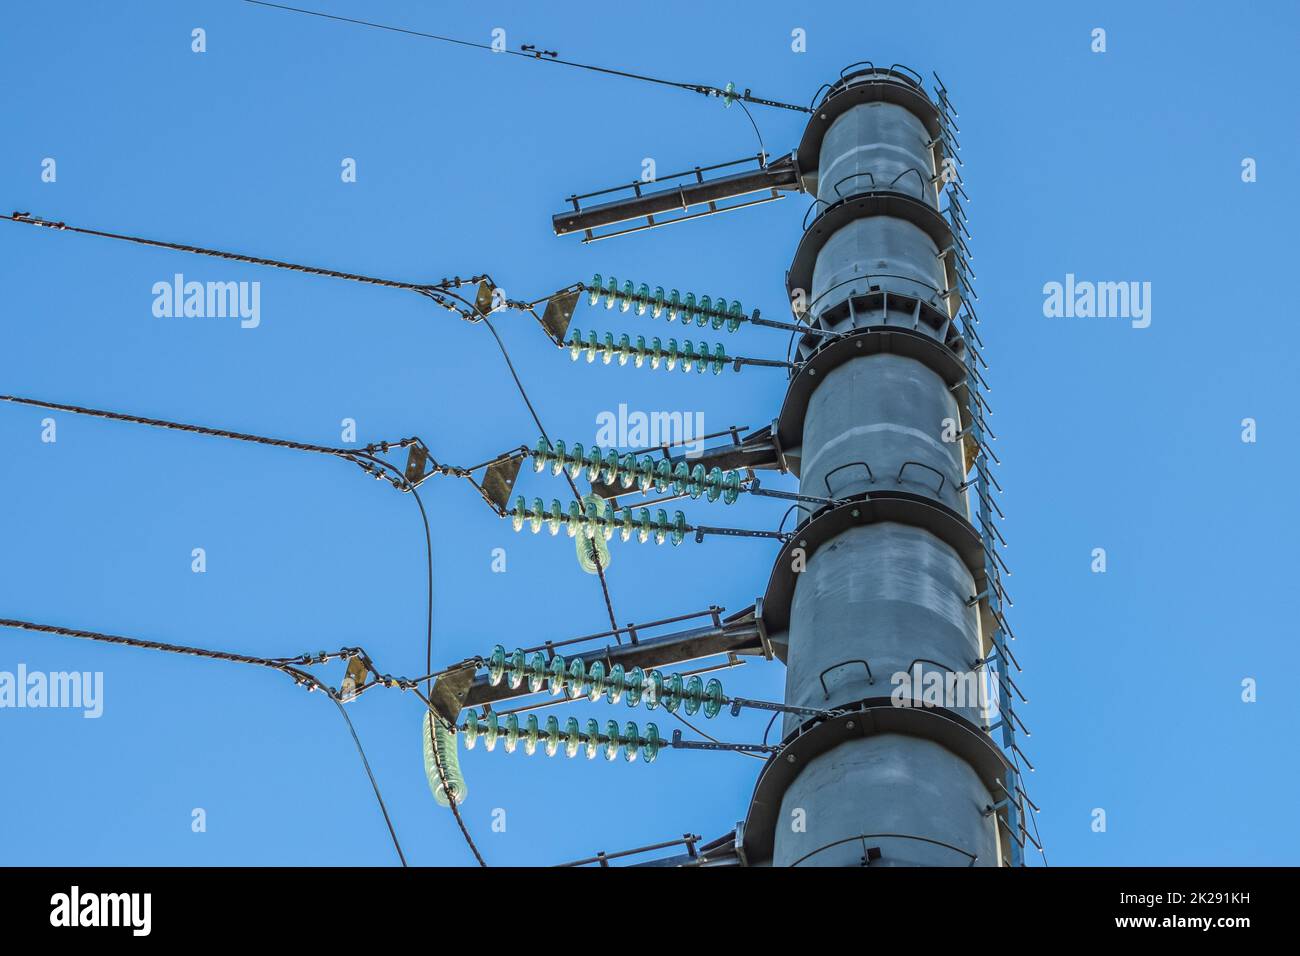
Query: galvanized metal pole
[888,582]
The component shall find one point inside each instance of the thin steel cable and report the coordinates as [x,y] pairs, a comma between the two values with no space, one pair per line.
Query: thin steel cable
[600,570]
[30,220]
[701,88]
[437,761]
[278,664]
[369,773]
[183,427]
[274,663]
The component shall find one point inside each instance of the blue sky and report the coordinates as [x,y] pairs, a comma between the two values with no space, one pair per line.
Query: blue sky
[1117,166]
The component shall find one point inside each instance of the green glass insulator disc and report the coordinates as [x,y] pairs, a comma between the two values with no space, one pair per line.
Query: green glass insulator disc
[574,524]
[645,474]
[592,742]
[661,525]
[557,672]
[706,310]
[642,299]
[625,300]
[557,458]
[663,474]
[624,349]
[735,316]
[713,698]
[719,359]
[673,693]
[670,360]
[592,346]
[530,734]
[713,481]
[626,524]
[577,679]
[520,513]
[515,675]
[536,672]
[596,676]
[575,343]
[639,353]
[643,525]
[611,740]
[491,731]
[674,305]
[496,665]
[611,293]
[681,478]
[537,516]
[608,349]
[656,352]
[615,684]
[654,689]
[631,742]
[719,317]
[635,685]
[572,737]
[608,521]
[688,308]
[552,735]
[659,302]
[699,481]
[595,462]
[626,471]
[512,732]
[650,749]
[541,455]
[471,732]
[593,294]
[694,695]
[688,356]
[702,364]
[575,461]
[556,518]
[679,528]
[731,488]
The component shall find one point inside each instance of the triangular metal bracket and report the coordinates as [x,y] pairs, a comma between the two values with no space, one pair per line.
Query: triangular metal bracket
[559,313]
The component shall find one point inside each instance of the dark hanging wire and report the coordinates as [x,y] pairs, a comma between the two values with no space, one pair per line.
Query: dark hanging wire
[600,570]
[350,453]
[429,289]
[545,57]
[428,663]
[355,455]
[282,665]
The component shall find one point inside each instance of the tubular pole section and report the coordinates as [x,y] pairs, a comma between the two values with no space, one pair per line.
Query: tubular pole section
[888,579]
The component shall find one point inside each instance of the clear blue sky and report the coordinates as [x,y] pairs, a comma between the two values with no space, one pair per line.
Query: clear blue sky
[1117,166]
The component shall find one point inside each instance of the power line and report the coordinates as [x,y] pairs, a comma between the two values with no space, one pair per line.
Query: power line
[284,665]
[600,570]
[238,256]
[203,430]
[369,773]
[531,53]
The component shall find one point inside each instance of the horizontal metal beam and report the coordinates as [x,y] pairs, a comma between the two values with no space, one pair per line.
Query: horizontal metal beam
[779,175]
